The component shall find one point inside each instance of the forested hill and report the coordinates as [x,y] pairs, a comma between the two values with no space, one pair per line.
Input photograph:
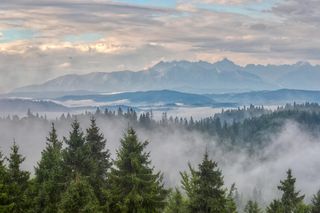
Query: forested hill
[251,125]
[79,174]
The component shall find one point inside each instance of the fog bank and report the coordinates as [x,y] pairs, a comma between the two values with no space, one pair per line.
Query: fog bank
[172,149]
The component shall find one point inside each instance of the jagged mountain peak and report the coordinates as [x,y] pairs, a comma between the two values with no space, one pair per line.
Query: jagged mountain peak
[226,65]
[188,76]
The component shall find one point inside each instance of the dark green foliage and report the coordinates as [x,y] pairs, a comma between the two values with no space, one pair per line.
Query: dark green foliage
[302,208]
[231,205]
[290,198]
[135,188]
[80,179]
[100,160]
[275,207]
[315,203]
[176,203]
[17,182]
[5,204]
[204,188]
[76,156]
[79,198]
[252,207]
[49,180]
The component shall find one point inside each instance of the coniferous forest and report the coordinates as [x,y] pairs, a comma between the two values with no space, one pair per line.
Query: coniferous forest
[159,106]
[77,173]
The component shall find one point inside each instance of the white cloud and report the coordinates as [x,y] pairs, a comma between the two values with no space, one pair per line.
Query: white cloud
[226,1]
[135,36]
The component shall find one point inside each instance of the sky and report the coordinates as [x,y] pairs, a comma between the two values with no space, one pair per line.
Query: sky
[43,39]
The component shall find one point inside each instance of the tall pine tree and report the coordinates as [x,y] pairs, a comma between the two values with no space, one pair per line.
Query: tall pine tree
[204,188]
[5,205]
[49,180]
[76,155]
[135,188]
[291,198]
[100,160]
[17,182]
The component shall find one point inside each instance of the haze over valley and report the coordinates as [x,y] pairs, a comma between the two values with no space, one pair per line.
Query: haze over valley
[171,106]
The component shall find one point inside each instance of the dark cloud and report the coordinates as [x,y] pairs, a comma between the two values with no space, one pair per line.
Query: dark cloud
[307,11]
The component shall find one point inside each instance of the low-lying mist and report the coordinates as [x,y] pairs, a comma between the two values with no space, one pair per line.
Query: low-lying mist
[256,174]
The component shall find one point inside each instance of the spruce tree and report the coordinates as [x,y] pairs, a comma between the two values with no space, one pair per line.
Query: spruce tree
[17,182]
[176,203]
[49,180]
[315,203]
[76,155]
[290,198]
[252,207]
[204,188]
[135,187]
[79,197]
[100,160]
[5,205]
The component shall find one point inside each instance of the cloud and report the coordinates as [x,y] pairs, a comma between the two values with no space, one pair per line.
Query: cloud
[306,11]
[226,1]
[103,33]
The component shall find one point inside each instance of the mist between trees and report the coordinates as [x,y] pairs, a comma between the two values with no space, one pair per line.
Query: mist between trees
[255,160]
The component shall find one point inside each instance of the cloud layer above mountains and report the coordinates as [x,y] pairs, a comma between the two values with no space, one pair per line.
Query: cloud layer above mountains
[40,40]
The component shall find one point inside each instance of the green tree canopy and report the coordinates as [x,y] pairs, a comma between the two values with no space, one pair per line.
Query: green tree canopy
[204,188]
[315,203]
[290,198]
[176,202]
[17,182]
[76,155]
[5,205]
[49,179]
[79,198]
[135,187]
[275,207]
[100,160]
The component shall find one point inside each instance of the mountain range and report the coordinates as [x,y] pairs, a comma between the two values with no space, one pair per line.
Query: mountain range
[193,77]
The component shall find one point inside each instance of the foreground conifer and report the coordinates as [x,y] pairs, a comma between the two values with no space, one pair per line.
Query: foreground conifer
[135,187]
[49,180]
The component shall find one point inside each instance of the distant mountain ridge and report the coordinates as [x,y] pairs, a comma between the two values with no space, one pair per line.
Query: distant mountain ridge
[148,98]
[168,97]
[281,96]
[192,77]
[22,105]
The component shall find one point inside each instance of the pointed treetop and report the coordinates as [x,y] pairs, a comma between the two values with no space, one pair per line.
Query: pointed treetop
[290,198]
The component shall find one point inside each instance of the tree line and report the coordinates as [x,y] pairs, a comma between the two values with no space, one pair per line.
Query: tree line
[250,127]
[79,175]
